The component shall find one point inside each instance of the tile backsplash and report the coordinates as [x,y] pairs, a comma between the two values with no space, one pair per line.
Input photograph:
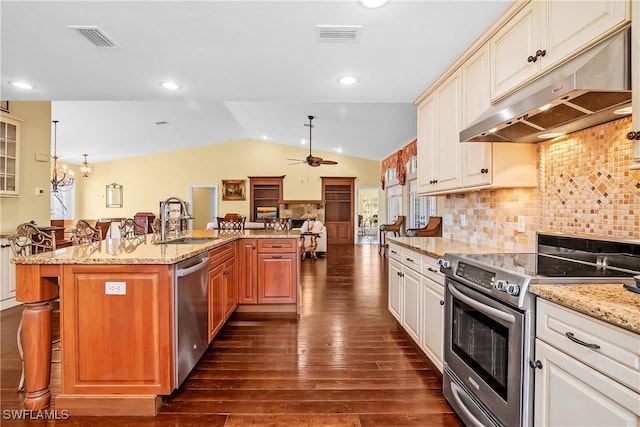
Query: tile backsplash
[585,186]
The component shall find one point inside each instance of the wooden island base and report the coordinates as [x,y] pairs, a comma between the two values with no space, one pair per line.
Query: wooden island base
[109,404]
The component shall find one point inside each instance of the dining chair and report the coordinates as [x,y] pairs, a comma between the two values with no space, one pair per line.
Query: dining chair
[85,233]
[29,240]
[277,224]
[236,224]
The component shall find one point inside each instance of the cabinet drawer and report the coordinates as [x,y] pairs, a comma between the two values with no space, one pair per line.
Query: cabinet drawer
[617,355]
[277,245]
[412,259]
[395,252]
[431,269]
[222,253]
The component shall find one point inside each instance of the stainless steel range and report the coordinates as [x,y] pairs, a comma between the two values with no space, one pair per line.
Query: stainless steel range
[490,319]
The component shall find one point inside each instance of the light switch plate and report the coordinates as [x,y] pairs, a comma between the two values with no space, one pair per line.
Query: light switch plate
[463,221]
[522,225]
[448,219]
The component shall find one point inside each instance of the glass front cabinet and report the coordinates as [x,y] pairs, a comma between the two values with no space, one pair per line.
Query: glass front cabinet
[9,156]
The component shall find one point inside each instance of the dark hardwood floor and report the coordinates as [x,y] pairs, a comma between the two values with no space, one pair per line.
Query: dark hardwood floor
[343,362]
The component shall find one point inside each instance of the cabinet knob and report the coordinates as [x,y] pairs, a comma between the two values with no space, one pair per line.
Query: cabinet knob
[536,364]
[532,58]
[541,53]
[484,170]
[633,135]
[441,302]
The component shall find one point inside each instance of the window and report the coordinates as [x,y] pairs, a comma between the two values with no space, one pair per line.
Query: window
[420,207]
[394,202]
[63,204]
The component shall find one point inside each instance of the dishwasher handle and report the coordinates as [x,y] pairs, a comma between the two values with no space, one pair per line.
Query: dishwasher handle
[189,270]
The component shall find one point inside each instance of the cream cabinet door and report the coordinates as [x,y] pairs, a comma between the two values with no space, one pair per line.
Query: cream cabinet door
[447,148]
[411,303]
[571,26]
[569,393]
[426,141]
[510,48]
[635,71]
[432,340]
[395,289]
[476,156]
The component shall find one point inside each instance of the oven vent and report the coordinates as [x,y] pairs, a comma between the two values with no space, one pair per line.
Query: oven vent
[96,36]
[338,33]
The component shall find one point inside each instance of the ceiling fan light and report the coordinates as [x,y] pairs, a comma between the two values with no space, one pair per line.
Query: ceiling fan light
[373,4]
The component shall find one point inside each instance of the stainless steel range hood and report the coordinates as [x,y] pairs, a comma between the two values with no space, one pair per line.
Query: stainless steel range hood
[589,90]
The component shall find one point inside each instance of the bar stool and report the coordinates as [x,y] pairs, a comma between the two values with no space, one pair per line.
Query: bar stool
[389,228]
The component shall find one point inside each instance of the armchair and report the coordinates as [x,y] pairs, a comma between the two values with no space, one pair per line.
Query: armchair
[432,229]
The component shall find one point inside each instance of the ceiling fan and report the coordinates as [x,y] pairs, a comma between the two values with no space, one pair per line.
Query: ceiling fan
[312,160]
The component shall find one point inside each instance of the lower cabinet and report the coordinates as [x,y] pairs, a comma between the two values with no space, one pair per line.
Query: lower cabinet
[247,271]
[223,285]
[416,299]
[586,370]
[432,318]
[7,272]
[277,278]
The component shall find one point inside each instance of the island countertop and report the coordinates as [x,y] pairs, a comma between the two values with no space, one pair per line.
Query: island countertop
[142,249]
[436,247]
[611,303]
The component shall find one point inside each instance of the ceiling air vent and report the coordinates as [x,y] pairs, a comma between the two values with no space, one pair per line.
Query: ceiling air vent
[96,36]
[338,33]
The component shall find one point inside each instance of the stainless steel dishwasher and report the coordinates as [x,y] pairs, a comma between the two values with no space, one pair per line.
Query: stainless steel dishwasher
[191,308]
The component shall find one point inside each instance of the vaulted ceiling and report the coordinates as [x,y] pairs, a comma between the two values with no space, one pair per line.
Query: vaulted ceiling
[247,69]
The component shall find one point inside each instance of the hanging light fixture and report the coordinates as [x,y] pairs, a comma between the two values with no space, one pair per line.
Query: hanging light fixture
[85,168]
[61,177]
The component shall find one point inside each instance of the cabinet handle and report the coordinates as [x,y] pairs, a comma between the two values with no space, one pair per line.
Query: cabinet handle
[224,273]
[410,260]
[276,246]
[633,135]
[536,364]
[577,341]
[433,270]
[394,252]
[484,170]
[441,302]
[276,257]
[532,58]
[541,53]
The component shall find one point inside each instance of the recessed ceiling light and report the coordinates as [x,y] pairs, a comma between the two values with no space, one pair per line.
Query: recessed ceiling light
[338,150]
[265,137]
[302,141]
[170,85]
[348,80]
[372,4]
[544,107]
[550,135]
[21,85]
[625,110]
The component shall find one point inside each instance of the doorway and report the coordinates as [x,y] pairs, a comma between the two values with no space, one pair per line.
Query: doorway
[203,200]
[367,214]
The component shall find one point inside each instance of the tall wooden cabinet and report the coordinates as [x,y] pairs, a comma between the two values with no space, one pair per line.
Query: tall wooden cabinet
[264,192]
[338,193]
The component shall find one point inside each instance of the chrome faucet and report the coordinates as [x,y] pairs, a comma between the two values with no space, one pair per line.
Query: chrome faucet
[164,215]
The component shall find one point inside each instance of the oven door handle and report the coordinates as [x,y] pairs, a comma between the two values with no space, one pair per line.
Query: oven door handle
[455,388]
[489,311]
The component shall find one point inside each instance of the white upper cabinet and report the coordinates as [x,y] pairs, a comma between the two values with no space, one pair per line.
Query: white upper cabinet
[439,145]
[635,71]
[9,156]
[546,33]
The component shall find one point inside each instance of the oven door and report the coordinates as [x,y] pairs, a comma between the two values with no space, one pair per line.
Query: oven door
[483,353]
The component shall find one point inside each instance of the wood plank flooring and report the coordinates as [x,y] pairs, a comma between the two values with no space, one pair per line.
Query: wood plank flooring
[343,362]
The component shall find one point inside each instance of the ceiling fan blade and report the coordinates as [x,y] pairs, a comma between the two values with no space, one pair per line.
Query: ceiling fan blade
[328,162]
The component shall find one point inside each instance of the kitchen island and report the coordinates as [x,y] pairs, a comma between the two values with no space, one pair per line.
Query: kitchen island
[117,311]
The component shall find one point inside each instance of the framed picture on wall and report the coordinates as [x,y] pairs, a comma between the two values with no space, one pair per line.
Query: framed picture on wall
[233,189]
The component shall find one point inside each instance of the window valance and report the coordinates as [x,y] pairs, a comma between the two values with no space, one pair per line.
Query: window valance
[398,160]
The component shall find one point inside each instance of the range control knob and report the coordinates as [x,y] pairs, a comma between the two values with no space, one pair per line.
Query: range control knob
[444,263]
[513,289]
[502,285]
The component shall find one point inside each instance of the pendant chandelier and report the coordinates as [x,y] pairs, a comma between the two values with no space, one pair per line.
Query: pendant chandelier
[61,177]
[86,169]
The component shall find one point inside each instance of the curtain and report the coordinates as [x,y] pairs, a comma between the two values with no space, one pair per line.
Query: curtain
[398,160]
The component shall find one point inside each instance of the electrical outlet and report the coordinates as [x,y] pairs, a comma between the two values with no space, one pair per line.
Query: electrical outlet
[115,288]
[463,221]
[448,219]
[522,226]
[39,191]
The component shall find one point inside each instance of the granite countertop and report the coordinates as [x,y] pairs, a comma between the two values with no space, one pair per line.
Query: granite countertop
[142,249]
[436,247]
[611,303]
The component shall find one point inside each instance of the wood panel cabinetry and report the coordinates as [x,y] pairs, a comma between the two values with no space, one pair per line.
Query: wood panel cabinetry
[546,33]
[9,155]
[338,193]
[264,192]
[277,271]
[247,271]
[223,286]
[577,383]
